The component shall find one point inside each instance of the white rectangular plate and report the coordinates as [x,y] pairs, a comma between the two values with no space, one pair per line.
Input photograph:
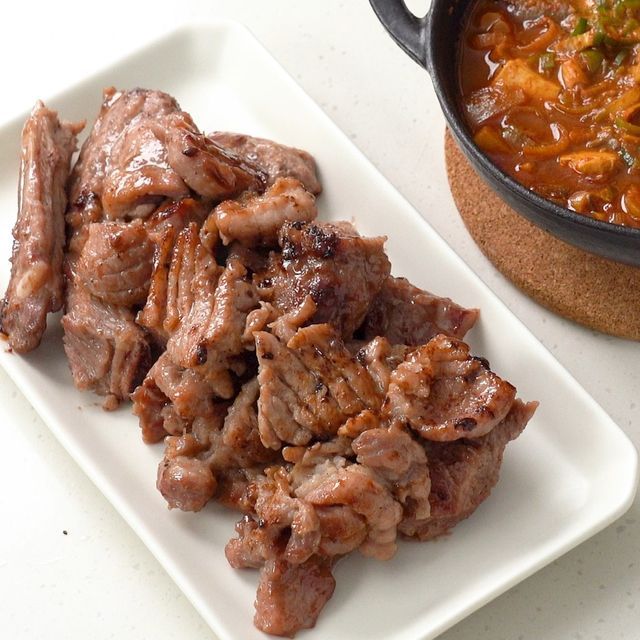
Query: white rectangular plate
[571,473]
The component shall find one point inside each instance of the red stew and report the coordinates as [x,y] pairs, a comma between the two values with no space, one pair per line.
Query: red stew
[551,92]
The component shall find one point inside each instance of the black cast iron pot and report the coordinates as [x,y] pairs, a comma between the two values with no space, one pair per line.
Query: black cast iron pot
[433,42]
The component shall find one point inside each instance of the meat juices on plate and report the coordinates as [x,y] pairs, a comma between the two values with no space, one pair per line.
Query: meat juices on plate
[291,376]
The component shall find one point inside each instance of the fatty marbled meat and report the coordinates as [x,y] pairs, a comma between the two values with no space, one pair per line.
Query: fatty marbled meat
[36,284]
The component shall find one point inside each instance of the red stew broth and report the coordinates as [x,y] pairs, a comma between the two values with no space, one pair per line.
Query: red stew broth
[551,93]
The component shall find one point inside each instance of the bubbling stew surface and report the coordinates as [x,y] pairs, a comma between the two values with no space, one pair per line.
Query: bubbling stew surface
[551,93]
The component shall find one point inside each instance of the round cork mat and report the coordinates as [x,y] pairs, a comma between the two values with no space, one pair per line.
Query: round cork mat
[590,290]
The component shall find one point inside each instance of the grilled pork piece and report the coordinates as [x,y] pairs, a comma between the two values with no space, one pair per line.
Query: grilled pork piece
[309,386]
[401,462]
[181,265]
[290,597]
[463,473]
[276,160]
[218,446]
[443,393]
[116,262]
[208,168]
[255,220]
[139,176]
[36,284]
[156,415]
[339,269]
[107,352]
[405,314]
[209,338]
[380,358]
[93,172]
[324,507]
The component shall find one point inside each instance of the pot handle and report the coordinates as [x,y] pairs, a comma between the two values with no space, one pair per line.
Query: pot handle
[406,29]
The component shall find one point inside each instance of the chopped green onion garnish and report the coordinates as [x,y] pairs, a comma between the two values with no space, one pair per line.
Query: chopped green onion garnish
[581,27]
[592,59]
[619,59]
[598,36]
[547,61]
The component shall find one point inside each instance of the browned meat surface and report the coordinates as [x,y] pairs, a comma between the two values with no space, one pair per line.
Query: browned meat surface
[290,597]
[169,399]
[255,220]
[340,270]
[186,483]
[36,284]
[177,215]
[309,386]
[219,444]
[405,314]
[361,489]
[276,160]
[443,393]
[463,474]
[87,181]
[291,378]
[150,405]
[209,338]
[380,358]
[188,391]
[401,462]
[208,168]
[116,262]
[107,351]
[181,266]
[139,176]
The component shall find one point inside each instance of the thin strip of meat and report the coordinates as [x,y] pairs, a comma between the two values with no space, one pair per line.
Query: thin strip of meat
[405,314]
[181,266]
[276,160]
[36,284]
[254,220]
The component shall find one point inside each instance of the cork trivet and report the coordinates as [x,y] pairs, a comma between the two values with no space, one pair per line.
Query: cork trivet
[598,293]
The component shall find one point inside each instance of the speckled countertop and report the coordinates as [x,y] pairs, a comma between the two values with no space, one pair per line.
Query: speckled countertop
[70,568]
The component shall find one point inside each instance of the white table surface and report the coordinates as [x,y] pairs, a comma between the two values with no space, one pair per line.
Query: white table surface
[70,568]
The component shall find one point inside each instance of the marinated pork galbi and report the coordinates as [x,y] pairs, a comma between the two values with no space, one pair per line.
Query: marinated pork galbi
[36,285]
[290,375]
